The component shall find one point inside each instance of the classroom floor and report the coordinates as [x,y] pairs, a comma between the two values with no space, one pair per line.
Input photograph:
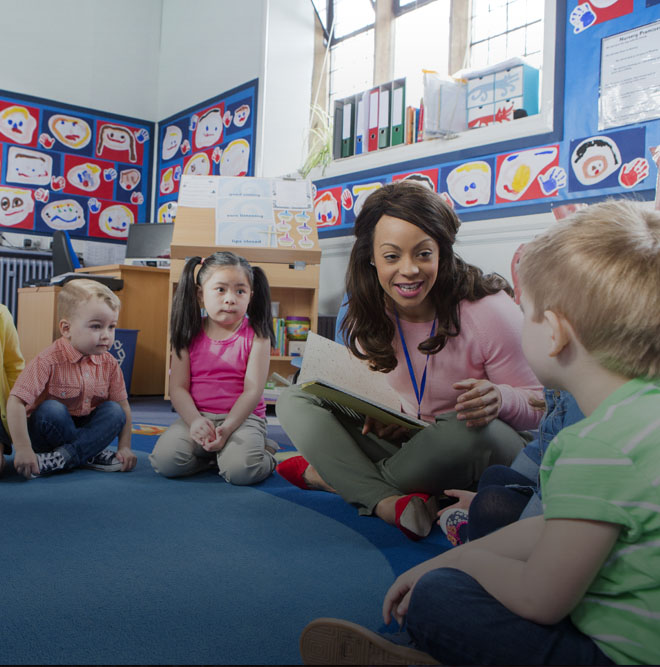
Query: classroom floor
[153,410]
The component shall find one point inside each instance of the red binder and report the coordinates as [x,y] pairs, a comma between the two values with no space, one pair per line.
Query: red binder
[372,118]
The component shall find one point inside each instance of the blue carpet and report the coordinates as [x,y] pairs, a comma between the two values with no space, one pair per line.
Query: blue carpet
[134,568]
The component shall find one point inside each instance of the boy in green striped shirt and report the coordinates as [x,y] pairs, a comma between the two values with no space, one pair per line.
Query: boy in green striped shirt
[580,584]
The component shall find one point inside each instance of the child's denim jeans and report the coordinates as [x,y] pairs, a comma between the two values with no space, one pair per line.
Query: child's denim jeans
[51,426]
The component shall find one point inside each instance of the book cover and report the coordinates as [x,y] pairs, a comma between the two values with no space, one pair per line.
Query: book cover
[329,367]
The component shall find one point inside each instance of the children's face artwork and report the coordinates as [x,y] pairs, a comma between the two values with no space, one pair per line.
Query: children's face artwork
[86,176]
[167,181]
[15,205]
[594,159]
[171,141]
[226,295]
[519,170]
[326,210]
[17,124]
[406,260]
[241,115]
[115,220]
[70,131]
[28,166]
[65,214]
[209,129]
[198,165]
[129,179]
[167,212]
[361,193]
[469,183]
[116,138]
[235,158]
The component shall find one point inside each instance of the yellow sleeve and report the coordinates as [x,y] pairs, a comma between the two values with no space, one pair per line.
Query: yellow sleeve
[12,359]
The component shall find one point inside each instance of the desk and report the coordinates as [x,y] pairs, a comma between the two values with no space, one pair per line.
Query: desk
[143,306]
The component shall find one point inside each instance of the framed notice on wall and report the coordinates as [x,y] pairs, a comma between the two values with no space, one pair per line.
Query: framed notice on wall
[63,167]
[630,77]
[213,138]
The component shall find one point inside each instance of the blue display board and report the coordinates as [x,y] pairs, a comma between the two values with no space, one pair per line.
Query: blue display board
[66,167]
[215,137]
[574,162]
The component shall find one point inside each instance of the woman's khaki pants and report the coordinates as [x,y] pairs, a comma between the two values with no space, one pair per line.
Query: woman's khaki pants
[364,469]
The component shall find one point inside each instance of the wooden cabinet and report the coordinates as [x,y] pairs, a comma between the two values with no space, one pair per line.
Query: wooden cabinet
[296,290]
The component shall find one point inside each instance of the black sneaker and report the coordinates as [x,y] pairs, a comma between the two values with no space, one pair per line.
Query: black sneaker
[50,462]
[105,461]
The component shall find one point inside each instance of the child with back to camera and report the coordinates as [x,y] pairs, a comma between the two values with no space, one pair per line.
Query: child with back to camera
[11,365]
[70,402]
[220,364]
[581,583]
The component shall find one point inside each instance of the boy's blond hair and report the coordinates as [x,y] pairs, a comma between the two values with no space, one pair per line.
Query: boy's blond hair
[81,290]
[600,269]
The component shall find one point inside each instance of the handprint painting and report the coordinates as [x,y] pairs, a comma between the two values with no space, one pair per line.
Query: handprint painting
[529,174]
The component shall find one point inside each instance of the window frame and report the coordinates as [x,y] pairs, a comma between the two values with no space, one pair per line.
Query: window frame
[546,127]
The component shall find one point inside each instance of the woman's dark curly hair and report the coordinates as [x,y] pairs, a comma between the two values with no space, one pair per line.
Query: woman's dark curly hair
[367,329]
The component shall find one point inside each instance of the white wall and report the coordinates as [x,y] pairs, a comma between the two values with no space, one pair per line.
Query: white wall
[207,47]
[101,54]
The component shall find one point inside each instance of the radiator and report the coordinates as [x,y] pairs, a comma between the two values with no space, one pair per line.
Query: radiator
[18,272]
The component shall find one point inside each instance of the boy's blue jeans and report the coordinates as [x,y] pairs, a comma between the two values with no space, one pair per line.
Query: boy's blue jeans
[51,427]
[455,620]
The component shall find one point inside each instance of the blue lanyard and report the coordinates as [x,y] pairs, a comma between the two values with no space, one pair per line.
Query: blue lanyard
[419,392]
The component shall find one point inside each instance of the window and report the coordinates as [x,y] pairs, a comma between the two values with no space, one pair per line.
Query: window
[501,29]
[417,37]
[400,32]
[421,41]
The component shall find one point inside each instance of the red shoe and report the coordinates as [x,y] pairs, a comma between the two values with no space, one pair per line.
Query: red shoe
[415,514]
[292,470]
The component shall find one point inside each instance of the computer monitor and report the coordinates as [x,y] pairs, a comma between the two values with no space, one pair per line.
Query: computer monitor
[149,242]
[65,259]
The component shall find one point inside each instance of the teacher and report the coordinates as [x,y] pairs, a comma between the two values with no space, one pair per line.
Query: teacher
[447,339]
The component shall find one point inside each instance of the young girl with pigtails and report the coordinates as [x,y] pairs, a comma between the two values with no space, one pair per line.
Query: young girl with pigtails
[219,367]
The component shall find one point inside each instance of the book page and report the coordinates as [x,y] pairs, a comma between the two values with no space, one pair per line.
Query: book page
[332,362]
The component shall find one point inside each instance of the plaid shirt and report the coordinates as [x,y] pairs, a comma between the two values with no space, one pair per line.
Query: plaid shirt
[63,374]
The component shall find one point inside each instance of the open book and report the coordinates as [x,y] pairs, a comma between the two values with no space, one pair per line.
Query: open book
[356,406]
[332,373]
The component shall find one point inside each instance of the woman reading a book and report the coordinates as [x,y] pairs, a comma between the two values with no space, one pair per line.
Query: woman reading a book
[447,338]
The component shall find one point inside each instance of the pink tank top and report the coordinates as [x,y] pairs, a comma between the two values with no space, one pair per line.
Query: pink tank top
[217,370]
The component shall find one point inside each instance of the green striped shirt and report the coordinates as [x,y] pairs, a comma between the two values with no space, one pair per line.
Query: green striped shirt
[607,468]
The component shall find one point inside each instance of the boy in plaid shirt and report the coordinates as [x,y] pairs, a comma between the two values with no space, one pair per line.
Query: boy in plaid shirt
[70,402]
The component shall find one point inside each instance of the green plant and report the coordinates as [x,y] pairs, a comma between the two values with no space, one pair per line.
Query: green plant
[319,153]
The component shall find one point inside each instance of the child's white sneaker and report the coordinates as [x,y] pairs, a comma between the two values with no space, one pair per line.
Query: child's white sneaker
[105,461]
[50,462]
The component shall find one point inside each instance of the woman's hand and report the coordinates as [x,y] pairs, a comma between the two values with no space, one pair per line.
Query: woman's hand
[479,404]
[391,432]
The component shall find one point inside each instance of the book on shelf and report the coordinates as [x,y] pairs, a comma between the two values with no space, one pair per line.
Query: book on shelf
[330,371]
